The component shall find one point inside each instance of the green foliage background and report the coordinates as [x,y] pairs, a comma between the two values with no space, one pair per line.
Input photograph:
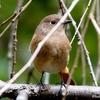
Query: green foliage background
[28,21]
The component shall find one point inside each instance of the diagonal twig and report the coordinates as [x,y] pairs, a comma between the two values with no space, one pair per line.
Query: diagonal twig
[4,22]
[20,12]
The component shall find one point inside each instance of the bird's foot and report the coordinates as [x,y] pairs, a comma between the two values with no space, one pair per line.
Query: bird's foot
[41,86]
[61,85]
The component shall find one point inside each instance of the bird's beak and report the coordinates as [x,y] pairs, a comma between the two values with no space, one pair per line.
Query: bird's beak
[67,21]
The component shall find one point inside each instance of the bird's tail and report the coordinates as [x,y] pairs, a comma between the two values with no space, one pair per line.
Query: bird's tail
[65,75]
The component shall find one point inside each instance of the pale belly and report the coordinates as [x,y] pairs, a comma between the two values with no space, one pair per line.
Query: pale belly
[52,66]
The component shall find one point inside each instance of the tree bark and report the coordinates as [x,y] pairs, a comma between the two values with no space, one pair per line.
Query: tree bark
[51,92]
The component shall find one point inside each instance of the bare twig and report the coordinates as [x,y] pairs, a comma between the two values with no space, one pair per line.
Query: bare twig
[73,22]
[4,22]
[61,7]
[94,23]
[81,20]
[1,34]
[83,66]
[98,22]
[93,7]
[85,28]
[21,10]
[88,20]
[14,38]
[38,48]
[82,51]
[91,16]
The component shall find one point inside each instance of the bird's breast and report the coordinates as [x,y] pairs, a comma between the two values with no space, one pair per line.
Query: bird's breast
[53,56]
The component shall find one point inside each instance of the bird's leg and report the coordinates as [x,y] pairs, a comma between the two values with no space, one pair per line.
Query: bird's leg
[40,84]
[62,82]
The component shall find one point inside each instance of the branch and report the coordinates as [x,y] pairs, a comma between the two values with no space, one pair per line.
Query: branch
[61,7]
[13,20]
[14,38]
[98,22]
[51,92]
[8,19]
[94,23]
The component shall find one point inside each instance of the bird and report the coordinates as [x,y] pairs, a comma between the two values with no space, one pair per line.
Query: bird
[53,57]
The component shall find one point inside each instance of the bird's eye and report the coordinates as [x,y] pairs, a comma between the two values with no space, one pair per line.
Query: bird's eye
[53,22]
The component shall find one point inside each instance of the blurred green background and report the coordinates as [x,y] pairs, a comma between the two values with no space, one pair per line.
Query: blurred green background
[28,21]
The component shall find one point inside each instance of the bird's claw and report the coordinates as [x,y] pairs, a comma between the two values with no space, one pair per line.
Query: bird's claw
[41,85]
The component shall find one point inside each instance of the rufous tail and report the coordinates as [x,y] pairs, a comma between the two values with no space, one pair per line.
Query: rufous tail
[65,75]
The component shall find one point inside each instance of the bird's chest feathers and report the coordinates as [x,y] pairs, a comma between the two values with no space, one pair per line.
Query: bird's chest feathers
[51,57]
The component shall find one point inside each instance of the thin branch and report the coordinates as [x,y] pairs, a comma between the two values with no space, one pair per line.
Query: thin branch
[81,20]
[4,22]
[87,22]
[1,34]
[14,36]
[82,51]
[93,7]
[85,28]
[38,48]
[61,7]
[14,42]
[98,22]
[94,24]
[83,66]
[12,45]
[20,12]
[73,22]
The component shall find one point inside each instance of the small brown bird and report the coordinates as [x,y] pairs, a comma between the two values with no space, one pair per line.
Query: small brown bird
[54,54]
